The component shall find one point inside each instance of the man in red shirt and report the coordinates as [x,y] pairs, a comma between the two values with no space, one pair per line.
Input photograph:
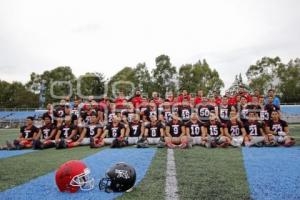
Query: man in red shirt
[137,99]
[184,95]
[198,98]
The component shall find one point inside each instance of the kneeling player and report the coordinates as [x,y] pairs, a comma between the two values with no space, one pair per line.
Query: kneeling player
[46,136]
[278,131]
[214,134]
[114,133]
[175,133]
[91,134]
[154,132]
[255,133]
[25,138]
[66,135]
[234,129]
[195,130]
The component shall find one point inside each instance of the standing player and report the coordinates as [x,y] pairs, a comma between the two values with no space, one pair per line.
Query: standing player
[46,135]
[278,131]
[27,133]
[255,133]
[195,130]
[175,133]
[224,109]
[214,134]
[234,130]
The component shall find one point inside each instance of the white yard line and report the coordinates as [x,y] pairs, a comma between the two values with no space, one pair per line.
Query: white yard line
[171,181]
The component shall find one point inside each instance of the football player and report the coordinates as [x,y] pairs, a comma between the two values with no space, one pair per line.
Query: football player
[185,110]
[27,133]
[205,109]
[114,133]
[278,131]
[175,133]
[166,112]
[135,130]
[66,134]
[154,131]
[91,134]
[255,133]
[224,110]
[46,135]
[214,135]
[234,130]
[195,130]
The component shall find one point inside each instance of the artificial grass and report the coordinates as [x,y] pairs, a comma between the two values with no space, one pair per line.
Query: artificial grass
[153,185]
[211,174]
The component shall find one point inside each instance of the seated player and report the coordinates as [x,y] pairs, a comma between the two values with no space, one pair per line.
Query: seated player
[195,129]
[91,134]
[255,134]
[214,135]
[114,133]
[175,133]
[234,130]
[46,135]
[134,130]
[66,134]
[154,132]
[25,138]
[278,131]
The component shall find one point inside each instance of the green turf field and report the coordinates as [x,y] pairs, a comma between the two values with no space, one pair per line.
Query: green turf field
[201,173]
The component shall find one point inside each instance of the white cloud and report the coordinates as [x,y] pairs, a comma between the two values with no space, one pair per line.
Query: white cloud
[105,36]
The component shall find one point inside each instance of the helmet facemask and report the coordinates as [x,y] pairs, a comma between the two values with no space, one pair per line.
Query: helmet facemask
[105,184]
[83,180]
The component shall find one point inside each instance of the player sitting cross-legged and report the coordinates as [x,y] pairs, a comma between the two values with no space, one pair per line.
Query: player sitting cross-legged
[234,130]
[46,135]
[278,131]
[25,138]
[175,133]
[214,134]
[195,130]
[114,133]
[91,134]
[154,132]
[66,134]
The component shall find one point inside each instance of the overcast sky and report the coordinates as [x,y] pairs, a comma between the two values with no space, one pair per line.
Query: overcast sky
[105,36]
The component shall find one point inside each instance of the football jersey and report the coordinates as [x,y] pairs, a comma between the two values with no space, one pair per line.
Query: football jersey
[253,128]
[175,128]
[47,130]
[195,128]
[135,129]
[59,111]
[114,131]
[154,130]
[167,116]
[28,133]
[185,113]
[277,127]
[224,112]
[204,112]
[214,130]
[92,129]
[271,107]
[66,130]
[234,129]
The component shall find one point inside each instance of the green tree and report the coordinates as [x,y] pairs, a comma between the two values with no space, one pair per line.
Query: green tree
[289,86]
[15,95]
[199,76]
[164,75]
[60,81]
[91,84]
[263,75]
[143,78]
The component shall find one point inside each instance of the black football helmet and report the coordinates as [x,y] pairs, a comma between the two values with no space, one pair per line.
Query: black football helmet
[119,178]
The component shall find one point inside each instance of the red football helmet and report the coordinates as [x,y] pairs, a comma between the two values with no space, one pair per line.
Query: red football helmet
[73,175]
